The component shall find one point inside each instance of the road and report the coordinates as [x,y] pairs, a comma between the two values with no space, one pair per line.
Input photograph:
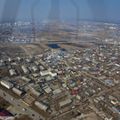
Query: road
[20,105]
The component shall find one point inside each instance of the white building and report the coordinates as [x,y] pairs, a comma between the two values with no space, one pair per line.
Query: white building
[34,92]
[41,106]
[25,69]
[26,79]
[34,68]
[44,73]
[57,91]
[53,74]
[47,72]
[6,84]
[65,102]
[17,91]
[12,72]
[48,90]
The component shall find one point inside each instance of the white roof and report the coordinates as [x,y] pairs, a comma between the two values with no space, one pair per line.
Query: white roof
[41,106]
[65,102]
[57,91]
[6,84]
[48,90]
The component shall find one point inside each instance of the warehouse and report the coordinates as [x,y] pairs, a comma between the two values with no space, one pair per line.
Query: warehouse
[17,91]
[34,92]
[6,84]
[65,103]
[41,106]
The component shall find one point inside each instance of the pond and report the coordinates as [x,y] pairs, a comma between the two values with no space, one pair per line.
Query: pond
[54,46]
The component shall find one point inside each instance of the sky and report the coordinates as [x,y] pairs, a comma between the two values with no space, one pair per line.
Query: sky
[64,10]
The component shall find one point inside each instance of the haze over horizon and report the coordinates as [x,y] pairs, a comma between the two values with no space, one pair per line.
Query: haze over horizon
[70,10]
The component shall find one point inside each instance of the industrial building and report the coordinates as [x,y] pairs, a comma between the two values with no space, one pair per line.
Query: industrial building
[65,103]
[41,106]
[6,84]
[17,91]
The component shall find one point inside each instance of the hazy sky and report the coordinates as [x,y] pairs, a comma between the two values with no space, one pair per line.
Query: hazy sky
[98,10]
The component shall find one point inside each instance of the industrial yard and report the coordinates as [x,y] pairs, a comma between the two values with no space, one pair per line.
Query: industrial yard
[60,84]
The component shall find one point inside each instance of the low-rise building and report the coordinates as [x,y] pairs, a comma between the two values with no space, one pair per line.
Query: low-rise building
[65,103]
[34,92]
[6,84]
[44,73]
[41,106]
[25,69]
[17,91]
[12,72]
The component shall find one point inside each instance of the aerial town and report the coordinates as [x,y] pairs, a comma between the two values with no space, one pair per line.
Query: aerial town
[79,81]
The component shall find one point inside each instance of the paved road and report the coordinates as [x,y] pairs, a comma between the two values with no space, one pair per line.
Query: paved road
[19,104]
